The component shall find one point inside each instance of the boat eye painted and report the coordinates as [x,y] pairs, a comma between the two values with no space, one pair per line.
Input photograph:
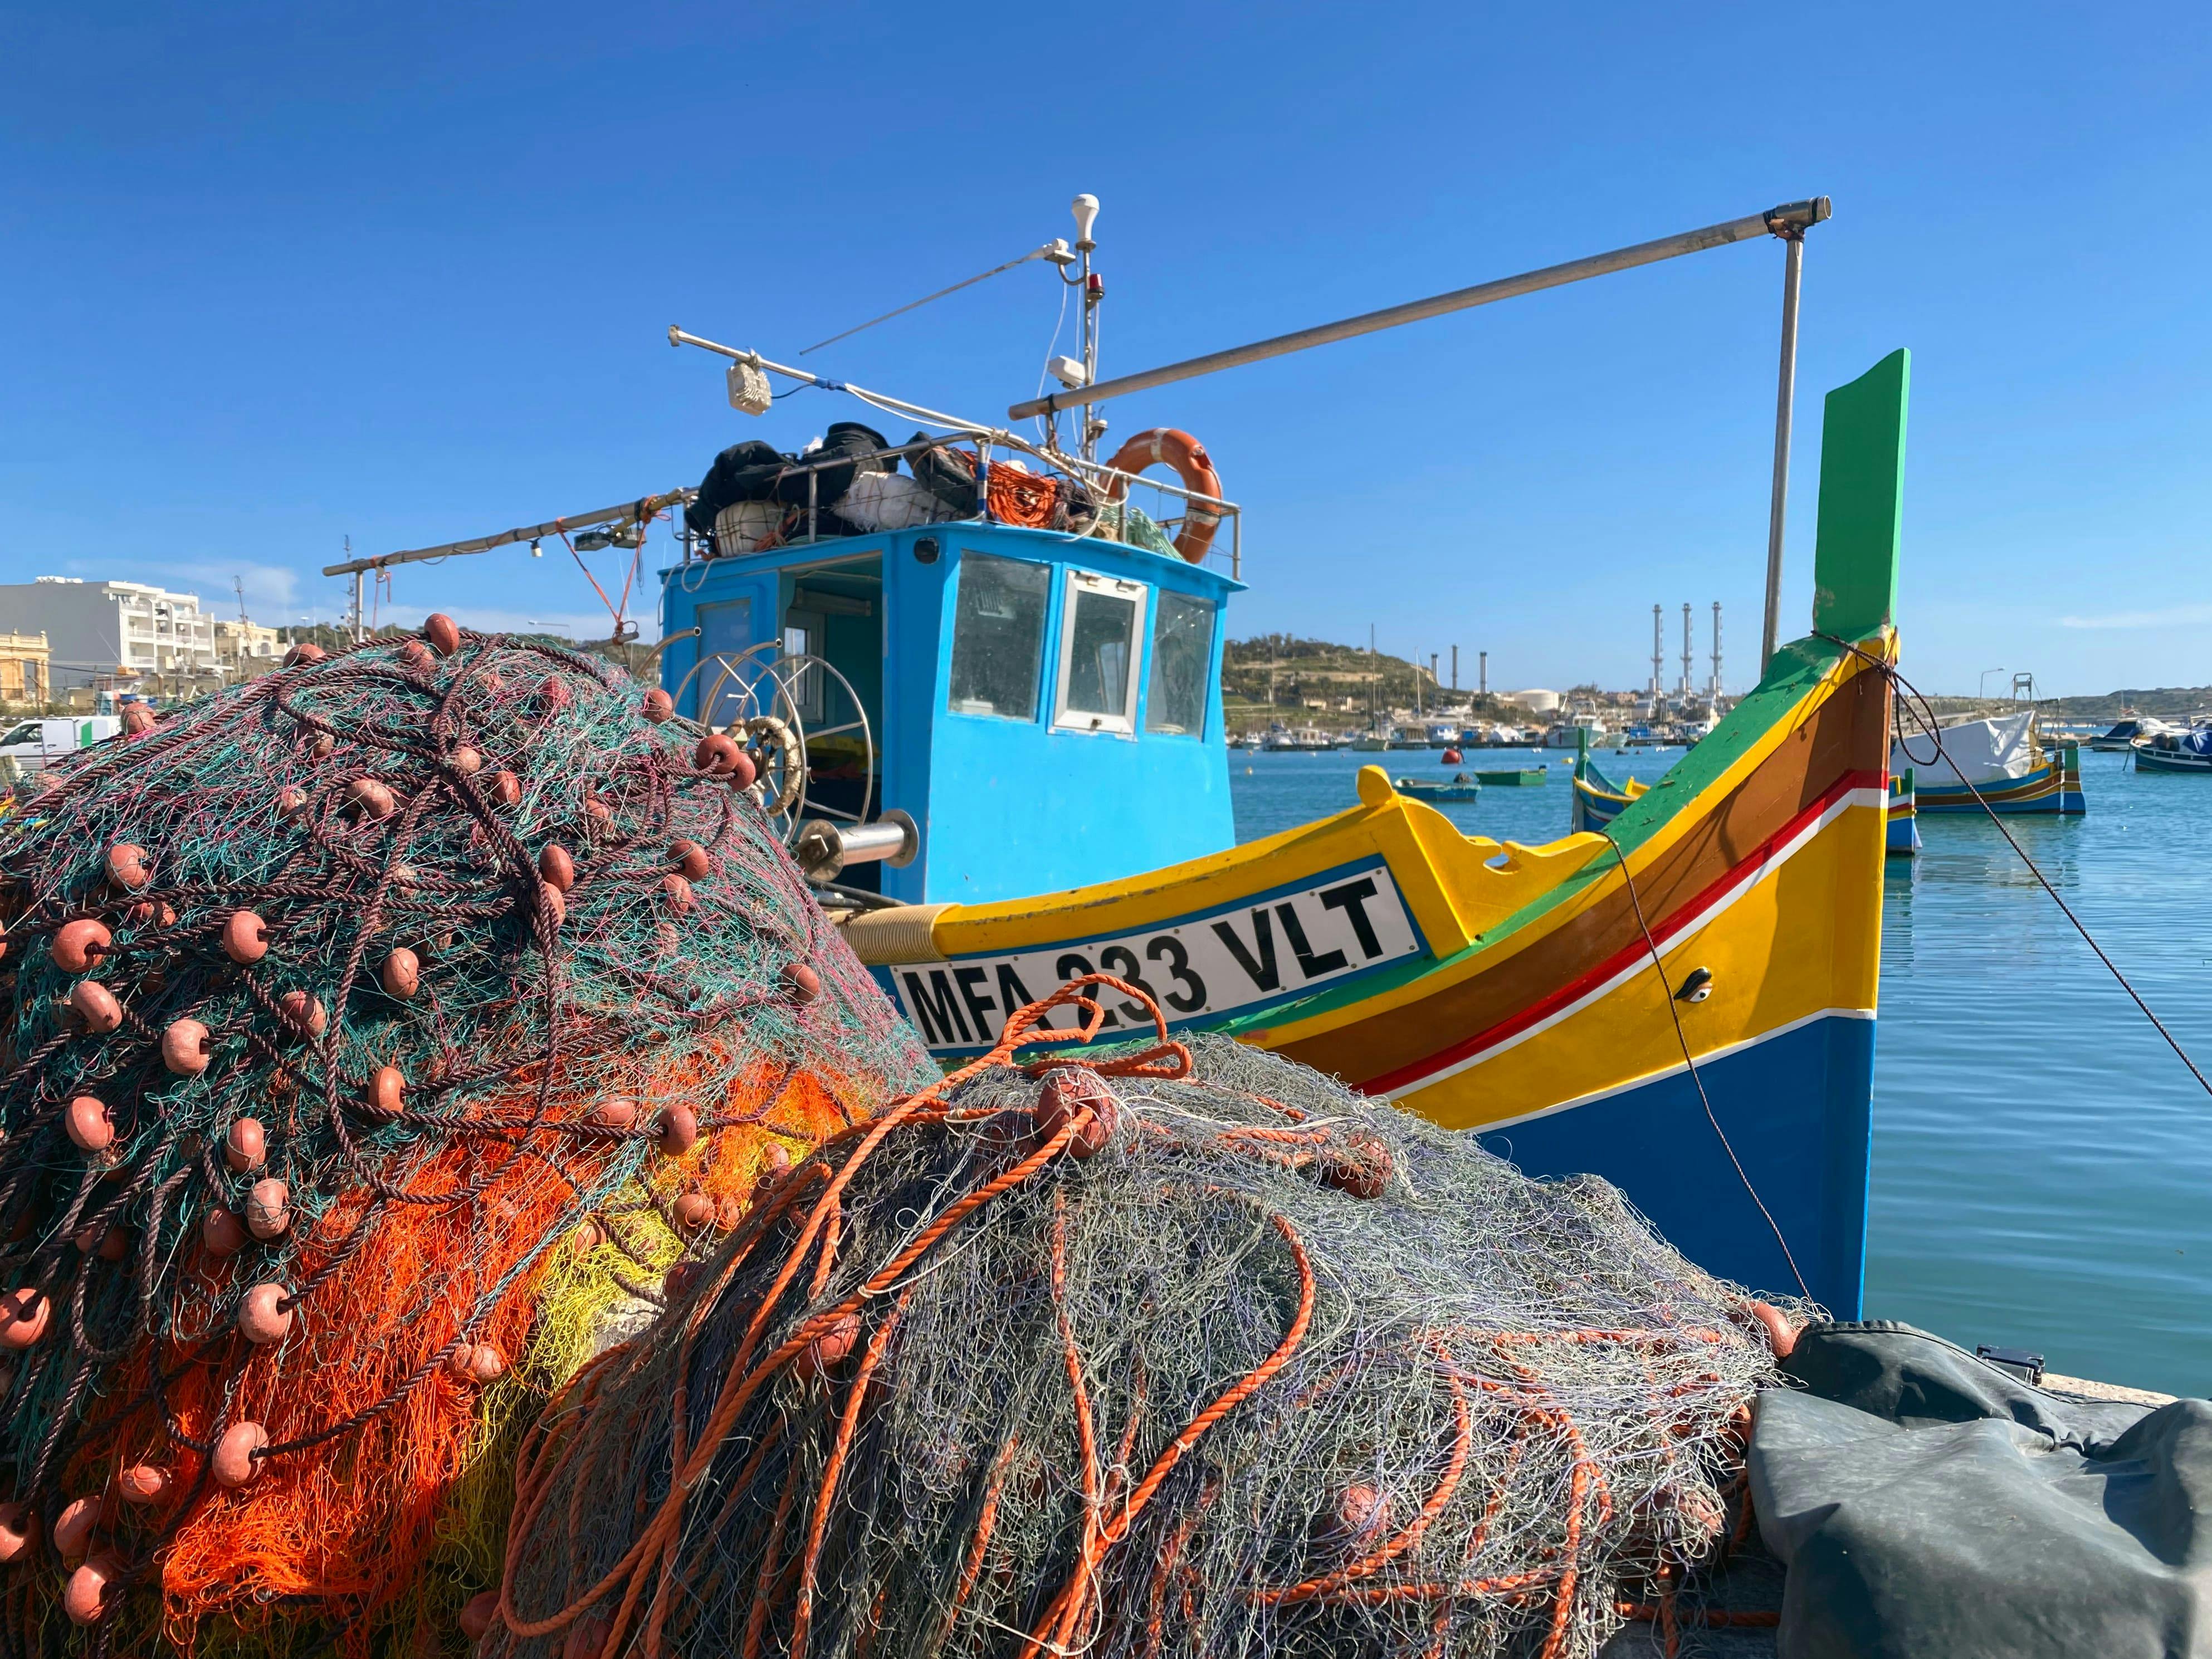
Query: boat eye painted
[1695,986]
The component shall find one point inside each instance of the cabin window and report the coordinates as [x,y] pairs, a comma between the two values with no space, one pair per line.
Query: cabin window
[1100,630]
[1183,648]
[998,636]
[725,634]
[803,635]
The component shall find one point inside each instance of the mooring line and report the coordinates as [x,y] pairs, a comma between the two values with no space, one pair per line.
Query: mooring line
[1926,715]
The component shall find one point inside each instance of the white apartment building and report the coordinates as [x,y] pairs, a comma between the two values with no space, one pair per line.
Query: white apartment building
[98,628]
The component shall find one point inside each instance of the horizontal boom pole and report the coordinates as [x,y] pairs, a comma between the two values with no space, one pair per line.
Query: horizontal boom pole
[634,510]
[1775,221]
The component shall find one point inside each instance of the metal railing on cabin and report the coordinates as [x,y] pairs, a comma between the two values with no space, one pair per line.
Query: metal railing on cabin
[1097,477]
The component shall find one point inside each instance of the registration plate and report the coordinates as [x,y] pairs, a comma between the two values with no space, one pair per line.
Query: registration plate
[1201,969]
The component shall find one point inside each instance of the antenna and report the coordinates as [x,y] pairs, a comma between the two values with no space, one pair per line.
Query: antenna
[241,588]
[1085,209]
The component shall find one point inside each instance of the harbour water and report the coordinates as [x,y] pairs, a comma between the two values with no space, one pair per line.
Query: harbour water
[2042,1170]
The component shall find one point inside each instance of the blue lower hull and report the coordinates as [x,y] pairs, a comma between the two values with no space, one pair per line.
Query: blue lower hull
[1794,1107]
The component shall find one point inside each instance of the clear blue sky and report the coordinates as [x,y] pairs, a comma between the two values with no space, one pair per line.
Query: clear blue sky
[280,274]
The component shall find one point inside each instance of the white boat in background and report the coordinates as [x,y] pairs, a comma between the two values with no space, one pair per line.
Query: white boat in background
[1565,735]
[2003,760]
[2130,729]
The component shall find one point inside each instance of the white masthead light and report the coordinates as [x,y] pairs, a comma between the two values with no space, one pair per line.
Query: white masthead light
[1085,208]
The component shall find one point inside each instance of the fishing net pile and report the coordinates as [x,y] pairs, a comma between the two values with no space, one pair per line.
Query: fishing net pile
[1186,1351]
[373,1030]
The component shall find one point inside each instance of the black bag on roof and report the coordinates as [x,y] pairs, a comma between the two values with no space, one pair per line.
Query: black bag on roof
[844,438]
[947,473]
[743,472]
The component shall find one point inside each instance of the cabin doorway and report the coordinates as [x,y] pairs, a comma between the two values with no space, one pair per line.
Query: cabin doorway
[835,611]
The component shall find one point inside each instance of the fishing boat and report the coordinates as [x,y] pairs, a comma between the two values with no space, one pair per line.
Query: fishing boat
[1903,831]
[1596,800]
[994,732]
[1999,764]
[1371,743]
[1518,777]
[1458,787]
[2173,751]
[2124,733]
[1060,814]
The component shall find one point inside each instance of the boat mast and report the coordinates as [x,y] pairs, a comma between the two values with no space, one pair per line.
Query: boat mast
[1785,397]
[1788,221]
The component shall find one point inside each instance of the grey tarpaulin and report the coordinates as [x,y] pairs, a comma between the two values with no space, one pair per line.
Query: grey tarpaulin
[1928,1503]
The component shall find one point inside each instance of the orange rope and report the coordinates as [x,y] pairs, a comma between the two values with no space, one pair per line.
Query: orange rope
[1407,1537]
[973,1567]
[803,1618]
[1243,1389]
[1026,498]
[1086,1432]
[647,1556]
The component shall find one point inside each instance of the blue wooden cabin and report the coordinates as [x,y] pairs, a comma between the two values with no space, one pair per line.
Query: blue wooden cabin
[1046,707]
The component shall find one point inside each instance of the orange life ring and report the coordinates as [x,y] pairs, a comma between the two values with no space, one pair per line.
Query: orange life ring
[1193,465]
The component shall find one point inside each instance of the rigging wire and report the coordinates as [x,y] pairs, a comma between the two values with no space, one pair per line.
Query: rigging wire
[1667,991]
[913,305]
[1047,422]
[1926,715]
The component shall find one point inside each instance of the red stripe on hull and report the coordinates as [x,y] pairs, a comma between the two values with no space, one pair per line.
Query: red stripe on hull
[1684,917]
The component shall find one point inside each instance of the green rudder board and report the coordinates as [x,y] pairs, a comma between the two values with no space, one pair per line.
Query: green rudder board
[1861,500]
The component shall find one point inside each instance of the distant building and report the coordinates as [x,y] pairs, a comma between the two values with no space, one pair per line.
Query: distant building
[25,672]
[110,629]
[245,649]
[1536,700]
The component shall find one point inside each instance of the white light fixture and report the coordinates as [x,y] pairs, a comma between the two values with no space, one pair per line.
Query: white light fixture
[748,389]
[1068,372]
[1085,208]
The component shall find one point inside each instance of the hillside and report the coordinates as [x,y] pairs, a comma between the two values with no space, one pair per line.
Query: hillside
[2169,703]
[1318,683]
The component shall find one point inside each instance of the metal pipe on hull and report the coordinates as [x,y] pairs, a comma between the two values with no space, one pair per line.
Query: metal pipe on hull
[1775,221]
[1785,399]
